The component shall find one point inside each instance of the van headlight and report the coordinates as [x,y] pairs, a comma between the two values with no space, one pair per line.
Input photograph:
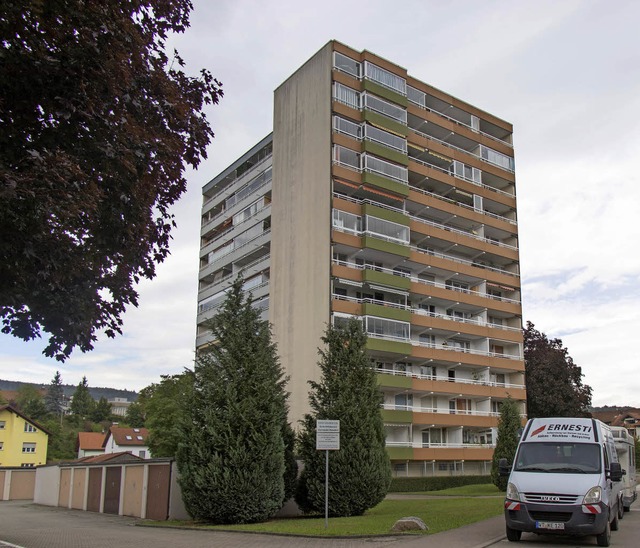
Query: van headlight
[512,492]
[593,496]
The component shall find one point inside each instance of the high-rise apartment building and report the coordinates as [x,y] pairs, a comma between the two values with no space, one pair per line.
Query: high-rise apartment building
[380,197]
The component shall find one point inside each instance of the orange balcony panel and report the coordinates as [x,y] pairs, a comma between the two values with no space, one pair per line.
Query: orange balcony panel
[478,300]
[454,420]
[346,272]
[346,307]
[469,328]
[451,453]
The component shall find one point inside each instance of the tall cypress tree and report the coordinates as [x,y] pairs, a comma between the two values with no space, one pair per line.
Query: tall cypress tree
[360,472]
[232,460]
[509,425]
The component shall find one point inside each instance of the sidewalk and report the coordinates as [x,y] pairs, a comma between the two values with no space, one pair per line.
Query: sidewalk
[477,535]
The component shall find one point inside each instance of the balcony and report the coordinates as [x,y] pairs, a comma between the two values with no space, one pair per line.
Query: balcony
[415,279]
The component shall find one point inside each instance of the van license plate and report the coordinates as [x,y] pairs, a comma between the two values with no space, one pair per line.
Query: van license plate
[550,525]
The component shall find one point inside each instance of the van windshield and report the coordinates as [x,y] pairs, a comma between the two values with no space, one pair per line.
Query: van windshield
[558,457]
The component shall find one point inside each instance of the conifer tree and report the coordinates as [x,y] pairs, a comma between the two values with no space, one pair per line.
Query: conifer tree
[54,398]
[232,460]
[359,472]
[509,425]
[82,403]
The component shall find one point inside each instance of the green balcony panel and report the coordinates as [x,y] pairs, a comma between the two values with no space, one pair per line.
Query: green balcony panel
[395,347]
[385,93]
[400,453]
[386,152]
[387,312]
[394,381]
[382,278]
[396,416]
[386,214]
[388,247]
[385,122]
[384,183]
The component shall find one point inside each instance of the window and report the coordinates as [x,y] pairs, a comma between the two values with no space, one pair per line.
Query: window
[387,229]
[140,438]
[346,64]
[416,96]
[497,158]
[129,438]
[385,108]
[1,445]
[346,157]
[27,465]
[389,328]
[403,401]
[143,454]
[385,78]
[347,222]
[346,95]
[342,125]
[28,427]
[28,447]
[457,286]
[386,169]
[2,424]
[390,140]
[463,171]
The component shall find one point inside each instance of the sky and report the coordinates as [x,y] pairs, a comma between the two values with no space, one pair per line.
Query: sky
[564,73]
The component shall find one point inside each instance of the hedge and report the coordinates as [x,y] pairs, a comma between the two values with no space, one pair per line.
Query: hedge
[437,483]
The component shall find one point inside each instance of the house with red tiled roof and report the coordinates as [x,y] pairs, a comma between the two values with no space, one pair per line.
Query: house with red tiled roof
[89,444]
[132,440]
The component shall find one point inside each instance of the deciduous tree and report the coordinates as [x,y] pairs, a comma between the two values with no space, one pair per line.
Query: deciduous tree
[30,402]
[101,410]
[232,459]
[360,471]
[509,425]
[98,126]
[164,405]
[553,380]
[135,415]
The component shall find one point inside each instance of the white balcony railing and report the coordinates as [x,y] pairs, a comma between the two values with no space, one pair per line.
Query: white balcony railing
[418,445]
[441,378]
[415,279]
[422,312]
[425,221]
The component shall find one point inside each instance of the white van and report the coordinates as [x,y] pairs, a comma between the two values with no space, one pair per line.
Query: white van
[626,449]
[565,479]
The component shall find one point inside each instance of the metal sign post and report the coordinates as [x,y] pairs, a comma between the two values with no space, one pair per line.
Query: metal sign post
[327,439]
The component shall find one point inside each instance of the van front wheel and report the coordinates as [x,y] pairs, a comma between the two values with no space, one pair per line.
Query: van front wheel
[514,536]
[604,538]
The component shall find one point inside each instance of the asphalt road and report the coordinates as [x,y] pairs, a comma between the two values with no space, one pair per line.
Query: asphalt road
[26,525]
[628,536]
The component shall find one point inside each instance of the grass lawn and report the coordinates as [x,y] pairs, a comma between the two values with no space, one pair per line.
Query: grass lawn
[438,514]
[480,490]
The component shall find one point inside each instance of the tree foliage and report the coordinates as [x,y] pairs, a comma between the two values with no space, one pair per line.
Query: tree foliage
[553,380]
[164,406]
[101,410]
[30,402]
[135,415]
[98,126]
[360,471]
[82,404]
[509,425]
[232,459]
[54,399]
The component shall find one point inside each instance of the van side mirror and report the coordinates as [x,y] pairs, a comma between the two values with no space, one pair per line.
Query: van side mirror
[503,468]
[615,471]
